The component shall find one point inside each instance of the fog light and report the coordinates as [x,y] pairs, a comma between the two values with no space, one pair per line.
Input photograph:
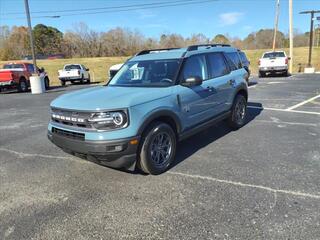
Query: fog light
[116,148]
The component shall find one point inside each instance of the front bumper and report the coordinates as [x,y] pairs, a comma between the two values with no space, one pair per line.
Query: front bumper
[102,152]
[8,84]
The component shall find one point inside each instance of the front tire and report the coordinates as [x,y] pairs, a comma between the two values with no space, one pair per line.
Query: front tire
[158,148]
[63,83]
[238,112]
[89,79]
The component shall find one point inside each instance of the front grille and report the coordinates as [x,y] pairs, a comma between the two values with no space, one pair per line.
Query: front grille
[68,134]
[71,118]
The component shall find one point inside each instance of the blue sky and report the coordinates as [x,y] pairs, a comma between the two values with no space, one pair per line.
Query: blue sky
[233,17]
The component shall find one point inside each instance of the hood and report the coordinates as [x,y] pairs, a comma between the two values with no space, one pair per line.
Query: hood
[109,97]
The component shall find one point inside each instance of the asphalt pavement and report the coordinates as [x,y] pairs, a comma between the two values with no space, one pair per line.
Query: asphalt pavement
[260,182]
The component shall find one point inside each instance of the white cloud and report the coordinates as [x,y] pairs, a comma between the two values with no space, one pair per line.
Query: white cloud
[155,25]
[230,18]
[144,14]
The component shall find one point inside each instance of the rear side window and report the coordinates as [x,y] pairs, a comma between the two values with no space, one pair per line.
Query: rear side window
[234,56]
[195,66]
[217,65]
[231,64]
[11,66]
[274,55]
[71,67]
[243,57]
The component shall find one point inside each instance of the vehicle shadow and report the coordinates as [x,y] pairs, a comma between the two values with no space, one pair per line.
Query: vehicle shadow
[58,88]
[252,83]
[91,83]
[277,75]
[190,146]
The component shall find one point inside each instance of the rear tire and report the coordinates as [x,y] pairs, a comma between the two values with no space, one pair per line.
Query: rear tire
[157,149]
[261,74]
[23,86]
[63,83]
[286,74]
[238,112]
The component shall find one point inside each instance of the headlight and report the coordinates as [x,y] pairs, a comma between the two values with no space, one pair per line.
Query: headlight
[109,120]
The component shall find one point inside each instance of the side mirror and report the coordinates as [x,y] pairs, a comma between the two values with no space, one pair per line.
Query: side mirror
[192,81]
[87,69]
[289,58]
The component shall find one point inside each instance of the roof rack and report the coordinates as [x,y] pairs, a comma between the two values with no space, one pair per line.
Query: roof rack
[154,50]
[195,47]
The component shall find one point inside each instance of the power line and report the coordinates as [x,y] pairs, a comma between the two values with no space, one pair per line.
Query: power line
[100,8]
[124,8]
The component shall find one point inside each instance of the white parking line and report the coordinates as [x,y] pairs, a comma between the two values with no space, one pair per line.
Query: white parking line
[240,184]
[23,155]
[289,123]
[304,102]
[284,110]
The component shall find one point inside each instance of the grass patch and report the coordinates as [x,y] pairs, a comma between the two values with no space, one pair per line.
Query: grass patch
[99,67]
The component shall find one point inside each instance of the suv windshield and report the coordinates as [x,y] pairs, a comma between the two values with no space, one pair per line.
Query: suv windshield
[70,67]
[273,55]
[147,73]
[10,66]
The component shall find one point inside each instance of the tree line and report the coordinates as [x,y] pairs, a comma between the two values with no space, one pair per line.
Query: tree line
[85,42]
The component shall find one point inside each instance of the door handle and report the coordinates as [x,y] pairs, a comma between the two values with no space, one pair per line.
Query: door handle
[232,82]
[211,89]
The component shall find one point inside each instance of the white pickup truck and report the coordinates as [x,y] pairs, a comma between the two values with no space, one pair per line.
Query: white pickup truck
[273,62]
[114,69]
[74,72]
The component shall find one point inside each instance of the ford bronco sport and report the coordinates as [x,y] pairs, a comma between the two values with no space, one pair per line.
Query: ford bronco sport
[157,98]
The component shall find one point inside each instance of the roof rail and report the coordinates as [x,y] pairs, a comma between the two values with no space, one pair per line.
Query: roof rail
[154,50]
[195,47]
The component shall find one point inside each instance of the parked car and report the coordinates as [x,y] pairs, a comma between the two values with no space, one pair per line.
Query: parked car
[273,63]
[158,98]
[245,63]
[114,69]
[16,75]
[73,73]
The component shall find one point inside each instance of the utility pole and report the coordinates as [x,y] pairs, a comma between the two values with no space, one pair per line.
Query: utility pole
[318,40]
[291,35]
[312,12]
[26,4]
[276,23]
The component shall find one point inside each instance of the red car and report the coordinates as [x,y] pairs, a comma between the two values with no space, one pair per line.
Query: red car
[16,75]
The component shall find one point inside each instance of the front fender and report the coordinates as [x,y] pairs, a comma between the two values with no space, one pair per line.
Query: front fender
[160,113]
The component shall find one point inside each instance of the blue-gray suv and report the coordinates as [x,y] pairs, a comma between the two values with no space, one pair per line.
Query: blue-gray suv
[157,98]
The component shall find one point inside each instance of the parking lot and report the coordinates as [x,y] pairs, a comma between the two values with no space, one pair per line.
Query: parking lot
[260,182]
